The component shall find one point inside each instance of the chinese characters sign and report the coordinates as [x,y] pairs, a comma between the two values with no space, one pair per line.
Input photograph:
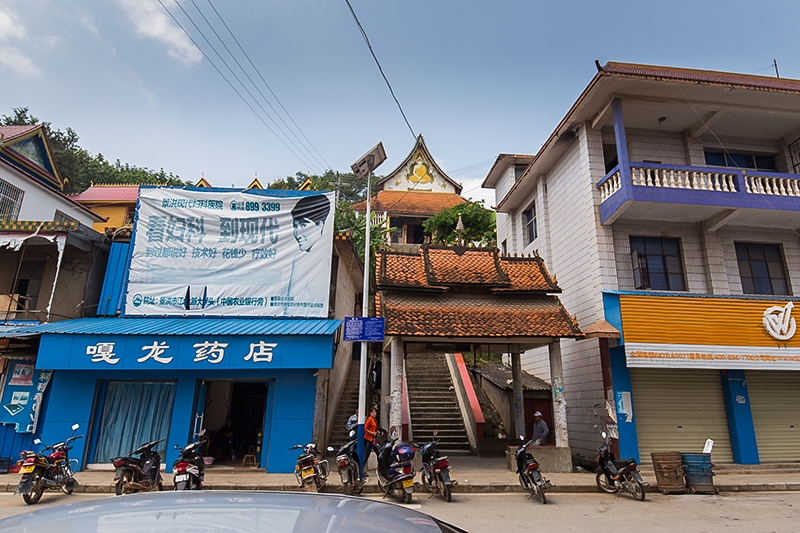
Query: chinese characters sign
[23,395]
[233,253]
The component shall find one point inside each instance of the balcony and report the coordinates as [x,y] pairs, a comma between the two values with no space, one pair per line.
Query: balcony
[648,191]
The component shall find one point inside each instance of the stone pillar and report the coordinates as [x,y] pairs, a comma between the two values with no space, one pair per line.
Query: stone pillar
[519,404]
[386,388]
[396,385]
[559,402]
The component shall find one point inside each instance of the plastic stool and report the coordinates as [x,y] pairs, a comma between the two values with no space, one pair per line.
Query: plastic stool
[249,458]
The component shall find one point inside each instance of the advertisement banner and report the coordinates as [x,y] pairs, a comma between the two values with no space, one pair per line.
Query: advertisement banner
[23,394]
[208,252]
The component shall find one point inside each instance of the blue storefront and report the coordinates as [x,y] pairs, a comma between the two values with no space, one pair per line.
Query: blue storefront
[126,380]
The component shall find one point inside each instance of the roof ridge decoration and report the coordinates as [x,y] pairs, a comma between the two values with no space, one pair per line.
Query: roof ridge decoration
[22,147]
[420,169]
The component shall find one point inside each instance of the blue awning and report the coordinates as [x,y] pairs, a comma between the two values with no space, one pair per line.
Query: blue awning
[180,326]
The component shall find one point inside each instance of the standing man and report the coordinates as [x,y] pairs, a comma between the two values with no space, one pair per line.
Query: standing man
[370,432]
[352,422]
[540,429]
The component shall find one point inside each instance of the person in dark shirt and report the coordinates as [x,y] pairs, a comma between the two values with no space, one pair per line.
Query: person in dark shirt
[540,429]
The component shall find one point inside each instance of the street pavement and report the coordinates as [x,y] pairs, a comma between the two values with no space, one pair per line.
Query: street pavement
[473,474]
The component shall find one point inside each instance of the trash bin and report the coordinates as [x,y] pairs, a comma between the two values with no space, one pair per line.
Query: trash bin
[668,467]
[697,467]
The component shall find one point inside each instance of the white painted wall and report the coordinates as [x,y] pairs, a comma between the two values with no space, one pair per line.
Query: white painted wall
[40,202]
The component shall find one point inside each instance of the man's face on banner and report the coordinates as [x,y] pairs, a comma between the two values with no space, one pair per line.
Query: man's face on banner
[306,233]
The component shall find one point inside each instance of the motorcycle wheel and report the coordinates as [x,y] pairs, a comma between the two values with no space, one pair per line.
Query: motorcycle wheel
[348,488]
[406,496]
[602,484]
[310,486]
[36,494]
[160,486]
[540,490]
[123,483]
[448,495]
[636,489]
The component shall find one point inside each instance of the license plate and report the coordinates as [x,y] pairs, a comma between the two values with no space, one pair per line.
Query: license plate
[182,477]
[26,469]
[408,483]
[307,472]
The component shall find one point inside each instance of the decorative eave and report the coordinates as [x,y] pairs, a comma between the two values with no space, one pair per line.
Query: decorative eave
[6,147]
[420,144]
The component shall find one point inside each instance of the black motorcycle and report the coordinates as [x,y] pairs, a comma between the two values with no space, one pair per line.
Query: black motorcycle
[395,469]
[530,476]
[53,471]
[348,465]
[616,477]
[138,474]
[189,470]
[310,471]
[436,470]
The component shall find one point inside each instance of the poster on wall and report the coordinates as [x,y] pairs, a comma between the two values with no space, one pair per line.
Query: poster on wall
[212,252]
[23,395]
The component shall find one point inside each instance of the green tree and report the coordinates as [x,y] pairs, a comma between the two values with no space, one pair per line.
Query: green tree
[351,189]
[480,225]
[347,219]
[78,168]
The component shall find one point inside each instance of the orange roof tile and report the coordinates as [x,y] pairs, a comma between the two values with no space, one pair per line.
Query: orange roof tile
[416,203]
[458,266]
[527,274]
[467,315]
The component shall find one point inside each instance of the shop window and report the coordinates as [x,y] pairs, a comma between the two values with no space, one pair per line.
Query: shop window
[657,264]
[740,160]
[529,217]
[132,413]
[761,268]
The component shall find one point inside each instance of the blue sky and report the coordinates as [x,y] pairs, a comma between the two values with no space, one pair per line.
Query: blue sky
[474,78]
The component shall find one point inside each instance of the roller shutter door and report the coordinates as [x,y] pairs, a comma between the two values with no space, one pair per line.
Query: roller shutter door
[677,410]
[775,404]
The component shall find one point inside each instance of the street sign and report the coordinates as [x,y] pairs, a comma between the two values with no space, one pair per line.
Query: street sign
[362,328]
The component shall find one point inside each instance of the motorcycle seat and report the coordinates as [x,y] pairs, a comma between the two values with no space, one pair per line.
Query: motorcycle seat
[622,463]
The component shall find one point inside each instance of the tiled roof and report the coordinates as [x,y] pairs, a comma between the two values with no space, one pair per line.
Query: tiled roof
[108,193]
[500,375]
[764,83]
[10,132]
[446,266]
[418,203]
[474,315]
[440,267]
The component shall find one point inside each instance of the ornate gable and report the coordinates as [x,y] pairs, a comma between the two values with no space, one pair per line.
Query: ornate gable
[28,146]
[419,172]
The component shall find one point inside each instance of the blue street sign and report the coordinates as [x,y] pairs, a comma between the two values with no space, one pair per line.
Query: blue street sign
[361,328]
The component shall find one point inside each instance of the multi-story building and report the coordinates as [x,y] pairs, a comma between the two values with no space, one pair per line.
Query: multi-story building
[668,201]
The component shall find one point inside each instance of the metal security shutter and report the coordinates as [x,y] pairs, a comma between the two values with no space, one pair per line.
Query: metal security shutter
[677,410]
[775,404]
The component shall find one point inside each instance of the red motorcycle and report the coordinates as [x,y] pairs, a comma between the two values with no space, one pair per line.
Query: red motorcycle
[53,471]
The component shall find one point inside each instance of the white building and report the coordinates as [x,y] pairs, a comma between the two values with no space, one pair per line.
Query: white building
[668,202]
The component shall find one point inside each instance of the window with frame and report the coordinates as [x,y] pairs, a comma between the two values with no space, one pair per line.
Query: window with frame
[657,263]
[740,160]
[761,268]
[61,216]
[10,200]
[529,217]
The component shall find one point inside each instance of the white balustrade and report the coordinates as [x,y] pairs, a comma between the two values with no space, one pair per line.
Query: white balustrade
[610,186]
[678,178]
[772,185]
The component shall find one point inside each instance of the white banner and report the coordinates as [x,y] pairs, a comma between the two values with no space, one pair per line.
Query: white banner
[234,253]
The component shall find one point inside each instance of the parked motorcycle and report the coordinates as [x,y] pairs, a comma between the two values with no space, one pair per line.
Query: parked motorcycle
[436,470]
[52,472]
[616,477]
[189,470]
[310,471]
[137,474]
[530,476]
[395,469]
[348,464]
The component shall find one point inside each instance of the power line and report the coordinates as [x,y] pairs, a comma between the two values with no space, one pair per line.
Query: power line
[229,83]
[267,84]
[307,162]
[366,40]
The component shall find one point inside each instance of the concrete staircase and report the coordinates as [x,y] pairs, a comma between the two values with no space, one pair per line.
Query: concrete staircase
[434,404]
[347,406]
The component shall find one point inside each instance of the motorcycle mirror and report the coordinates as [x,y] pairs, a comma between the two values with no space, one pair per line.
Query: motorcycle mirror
[202,432]
[435,432]
[352,433]
[603,434]
[37,441]
[329,448]
[75,427]
[522,437]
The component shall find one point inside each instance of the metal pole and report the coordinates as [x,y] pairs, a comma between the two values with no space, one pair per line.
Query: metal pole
[362,383]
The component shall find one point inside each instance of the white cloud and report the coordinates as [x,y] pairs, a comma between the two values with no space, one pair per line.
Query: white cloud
[11,58]
[151,21]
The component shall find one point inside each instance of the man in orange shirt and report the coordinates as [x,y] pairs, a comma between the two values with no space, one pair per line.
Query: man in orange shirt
[370,431]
